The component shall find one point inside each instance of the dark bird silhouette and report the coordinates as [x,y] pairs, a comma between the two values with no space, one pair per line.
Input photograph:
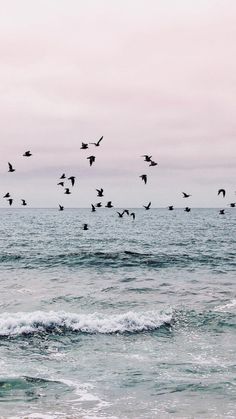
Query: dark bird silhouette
[10,168]
[61,208]
[221,191]
[187,209]
[63,176]
[72,179]
[153,163]
[147,207]
[27,154]
[144,178]
[109,205]
[10,200]
[84,146]
[23,202]
[232,204]
[98,143]
[7,195]
[99,205]
[126,211]
[100,192]
[171,207]
[132,215]
[91,159]
[146,157]
[67,191]
[120,214]
[85,227]
[186,195]
[93,208]
[222,212]
[61,183]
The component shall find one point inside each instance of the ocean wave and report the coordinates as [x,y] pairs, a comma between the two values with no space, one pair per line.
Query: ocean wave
[16,324]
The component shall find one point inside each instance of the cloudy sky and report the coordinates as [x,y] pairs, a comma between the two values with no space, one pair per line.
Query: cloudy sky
[156,76]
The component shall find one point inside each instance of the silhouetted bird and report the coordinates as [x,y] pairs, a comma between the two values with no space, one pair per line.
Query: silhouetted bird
[91,159]
[186,195]
[221,191]
[85,227]
[109,205]
[132,215]
[7,195]
[146,157]
[72,179]
[120,214]
[84,146]
[10,168]
[147,207]
[222,212]
[170,207]
[98,143]
[23,202]
[93,208]
[67,191]
[99,205]
[61,208]
[232,204]
[27,154]
[100,192]
[61,183]
[144,178]
[63,176]
[152,163]
[126,211]
[10,201]
[187,209]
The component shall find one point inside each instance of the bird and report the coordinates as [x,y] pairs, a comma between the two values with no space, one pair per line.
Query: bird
[10,168]
[72,179]
[7,195]
[147,207]
[171,207]
[187,209]
[109,205]
[132,215]
[61,183]
[91,159]
[23,202]
[126,211]
[10,201]
[222,212]
[186,195]
[146,157]
[99,205]
[84,146]
[232,204]
[98,143]
[153,163]
[63,176]
[221,191]
[144,178]
[93,208]
[61,208]
[67,191]
[100,192]
[120,214]
[85,227]
[27,154]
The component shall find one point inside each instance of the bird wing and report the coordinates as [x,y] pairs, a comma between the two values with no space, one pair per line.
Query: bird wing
[99,140]
[10,165]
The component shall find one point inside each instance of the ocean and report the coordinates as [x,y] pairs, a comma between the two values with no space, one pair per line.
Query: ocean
[129,319]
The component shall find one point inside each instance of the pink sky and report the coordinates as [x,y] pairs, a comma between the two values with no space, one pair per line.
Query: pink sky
[154,77]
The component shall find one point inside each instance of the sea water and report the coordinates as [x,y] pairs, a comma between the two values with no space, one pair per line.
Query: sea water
[130,319]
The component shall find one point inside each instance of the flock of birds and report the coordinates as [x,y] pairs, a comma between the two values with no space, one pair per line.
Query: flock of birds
[91,159]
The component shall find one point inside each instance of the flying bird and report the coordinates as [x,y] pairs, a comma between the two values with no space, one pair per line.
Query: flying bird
[63,176]
[10,201]
[72,179]
[27,154]
[126,211]
[120,214]
[61,208]
[100,192]
[99,205]
[98,143]
[132,215]
[61,183]
[187,209]
[232,204]
[93,208]
[222,212]
[186,195]
[171,207]
[7,195]
[23,202]
[147,207]
[221,191]
[10,168]
[109,205]
[144,178]
[153,163]
[85,227]
[91,159]
[67,191]
[147,158]
[84,146]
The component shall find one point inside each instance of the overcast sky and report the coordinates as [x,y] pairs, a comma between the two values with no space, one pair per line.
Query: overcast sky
[153,77]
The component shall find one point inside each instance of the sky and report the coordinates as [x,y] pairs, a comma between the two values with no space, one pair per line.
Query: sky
[152,77]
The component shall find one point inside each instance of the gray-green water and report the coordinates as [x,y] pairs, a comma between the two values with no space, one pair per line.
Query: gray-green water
[130,319]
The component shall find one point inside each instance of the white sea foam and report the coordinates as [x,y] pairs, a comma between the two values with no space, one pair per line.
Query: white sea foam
[13,324]
[227,307]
